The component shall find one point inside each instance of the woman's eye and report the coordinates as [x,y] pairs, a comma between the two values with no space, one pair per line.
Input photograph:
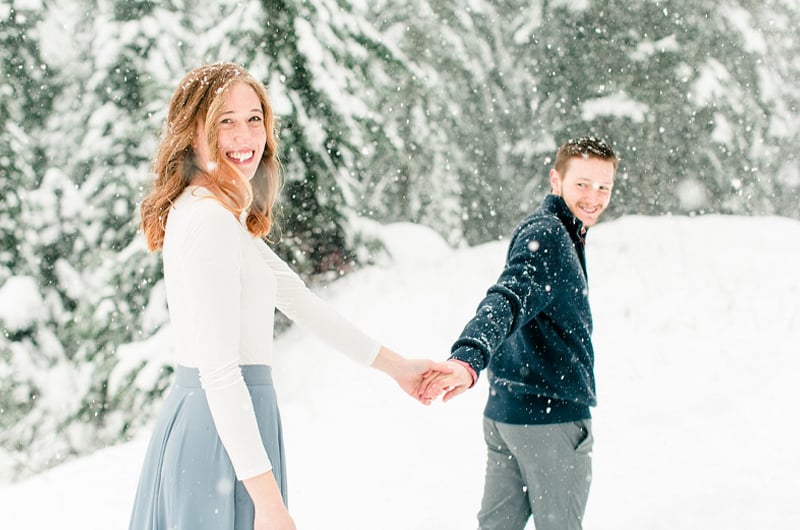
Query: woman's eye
[255,118]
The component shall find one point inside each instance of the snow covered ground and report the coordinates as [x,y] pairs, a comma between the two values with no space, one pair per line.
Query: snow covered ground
[697,322]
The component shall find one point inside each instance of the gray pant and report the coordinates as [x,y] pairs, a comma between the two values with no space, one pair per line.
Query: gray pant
[544,470]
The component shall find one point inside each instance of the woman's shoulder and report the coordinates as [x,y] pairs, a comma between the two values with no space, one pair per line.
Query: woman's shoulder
[199,203]
[196,210]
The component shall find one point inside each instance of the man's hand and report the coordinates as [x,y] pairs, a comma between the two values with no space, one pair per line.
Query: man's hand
[452,384]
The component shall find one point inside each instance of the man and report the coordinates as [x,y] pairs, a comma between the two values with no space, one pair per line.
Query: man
[533,333]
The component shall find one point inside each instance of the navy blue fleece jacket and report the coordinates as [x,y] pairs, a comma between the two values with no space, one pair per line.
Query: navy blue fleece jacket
[533,329]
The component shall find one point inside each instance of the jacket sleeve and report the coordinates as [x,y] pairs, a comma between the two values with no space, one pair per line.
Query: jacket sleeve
[522,291]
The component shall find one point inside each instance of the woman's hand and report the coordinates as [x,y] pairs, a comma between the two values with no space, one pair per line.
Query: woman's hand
[410,373]
[270,511]
[278,520]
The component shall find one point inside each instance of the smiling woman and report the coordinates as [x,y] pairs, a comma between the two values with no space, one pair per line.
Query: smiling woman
[204,142]
[216,458]
[242,135]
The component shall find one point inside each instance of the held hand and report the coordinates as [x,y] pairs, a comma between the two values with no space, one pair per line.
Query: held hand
[410,373]
[452,384]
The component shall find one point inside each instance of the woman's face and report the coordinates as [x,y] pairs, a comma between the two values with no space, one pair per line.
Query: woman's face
[241,134]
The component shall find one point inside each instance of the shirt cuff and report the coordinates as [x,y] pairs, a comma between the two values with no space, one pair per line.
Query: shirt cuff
[470,369]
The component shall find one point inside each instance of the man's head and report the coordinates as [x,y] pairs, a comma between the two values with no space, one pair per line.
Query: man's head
[583,175]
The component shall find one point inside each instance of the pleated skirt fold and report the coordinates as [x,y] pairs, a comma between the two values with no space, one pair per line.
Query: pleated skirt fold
[187,480]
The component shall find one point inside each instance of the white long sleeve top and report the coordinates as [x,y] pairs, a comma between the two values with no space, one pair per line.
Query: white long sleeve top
[223,286]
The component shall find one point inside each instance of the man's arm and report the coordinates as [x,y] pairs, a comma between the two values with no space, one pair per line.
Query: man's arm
[523,289]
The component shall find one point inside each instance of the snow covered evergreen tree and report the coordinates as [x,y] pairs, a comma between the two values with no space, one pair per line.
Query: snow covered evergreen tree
[778,74]
[681,87]
[76,221]
[490,97]
[437,112]
[23,108]
[30,357]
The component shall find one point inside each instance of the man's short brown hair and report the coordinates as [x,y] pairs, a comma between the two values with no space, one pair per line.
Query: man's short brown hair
[584,146]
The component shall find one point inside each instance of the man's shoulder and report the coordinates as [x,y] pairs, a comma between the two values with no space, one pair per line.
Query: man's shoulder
[538,225]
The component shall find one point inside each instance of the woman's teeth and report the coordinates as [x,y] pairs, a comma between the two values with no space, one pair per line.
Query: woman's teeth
[241,156]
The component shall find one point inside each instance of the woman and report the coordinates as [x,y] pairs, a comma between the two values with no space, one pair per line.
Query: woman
[215,460]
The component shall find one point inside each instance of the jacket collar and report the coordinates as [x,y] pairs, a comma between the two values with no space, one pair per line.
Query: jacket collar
[555,205]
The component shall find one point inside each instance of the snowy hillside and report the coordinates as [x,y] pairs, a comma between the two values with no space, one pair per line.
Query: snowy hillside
[696,335]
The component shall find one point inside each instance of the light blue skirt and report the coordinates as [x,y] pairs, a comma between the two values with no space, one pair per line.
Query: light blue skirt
[187,481]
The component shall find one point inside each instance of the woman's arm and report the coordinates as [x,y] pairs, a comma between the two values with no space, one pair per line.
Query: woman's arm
[299,303]
[295,300]
[202,260]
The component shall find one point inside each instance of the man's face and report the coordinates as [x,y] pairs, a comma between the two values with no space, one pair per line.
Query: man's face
[585,186]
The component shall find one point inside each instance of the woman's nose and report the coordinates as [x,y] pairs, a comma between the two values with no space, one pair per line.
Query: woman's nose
[242,132]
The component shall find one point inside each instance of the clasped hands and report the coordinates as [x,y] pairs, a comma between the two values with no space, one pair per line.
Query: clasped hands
[423,379]
[449,377]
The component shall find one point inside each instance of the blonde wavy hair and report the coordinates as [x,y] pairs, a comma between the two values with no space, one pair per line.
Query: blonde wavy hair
[201,96]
